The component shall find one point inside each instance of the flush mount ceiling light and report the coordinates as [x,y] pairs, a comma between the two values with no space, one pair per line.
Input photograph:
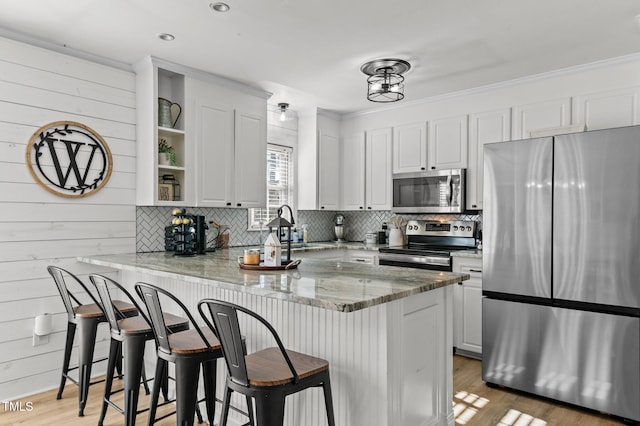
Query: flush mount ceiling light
[385,82]
[219,7]
[166,37]
[283,113]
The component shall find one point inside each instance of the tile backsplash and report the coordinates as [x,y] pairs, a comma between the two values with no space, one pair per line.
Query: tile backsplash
[150,223]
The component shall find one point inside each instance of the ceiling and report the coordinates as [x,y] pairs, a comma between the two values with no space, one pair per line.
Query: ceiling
[308,53]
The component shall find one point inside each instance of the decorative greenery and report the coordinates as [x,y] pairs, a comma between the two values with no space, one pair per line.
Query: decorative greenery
[164,147]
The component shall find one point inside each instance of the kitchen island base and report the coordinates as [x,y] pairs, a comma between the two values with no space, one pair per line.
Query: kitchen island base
[390,363]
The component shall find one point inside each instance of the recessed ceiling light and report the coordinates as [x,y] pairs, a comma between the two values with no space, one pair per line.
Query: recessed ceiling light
[219,7]
[166,36]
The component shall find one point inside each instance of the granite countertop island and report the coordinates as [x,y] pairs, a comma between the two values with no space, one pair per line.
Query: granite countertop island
[340,286]
[386,331]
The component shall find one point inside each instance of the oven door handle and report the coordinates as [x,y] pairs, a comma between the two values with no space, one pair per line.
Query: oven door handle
[425,260]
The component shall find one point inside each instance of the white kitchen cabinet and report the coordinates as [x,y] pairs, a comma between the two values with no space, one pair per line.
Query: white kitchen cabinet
[250,159]
[378,195]
[467,308]
[318,168]
[540,115]
[448,143]
[410,148]
[366,165]
[353,174]
[154,82]
[328,171]
[485,127]
[608,109]
[219,137]
[231,146]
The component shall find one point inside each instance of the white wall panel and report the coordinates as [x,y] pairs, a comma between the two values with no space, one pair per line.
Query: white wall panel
[612,108]
[38,228]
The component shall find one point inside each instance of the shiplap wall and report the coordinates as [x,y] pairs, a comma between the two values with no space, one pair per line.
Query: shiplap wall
[37,228]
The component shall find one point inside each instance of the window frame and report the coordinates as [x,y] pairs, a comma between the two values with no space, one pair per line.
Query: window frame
[255,226]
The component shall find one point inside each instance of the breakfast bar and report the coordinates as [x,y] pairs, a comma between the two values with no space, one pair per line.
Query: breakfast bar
[386,331]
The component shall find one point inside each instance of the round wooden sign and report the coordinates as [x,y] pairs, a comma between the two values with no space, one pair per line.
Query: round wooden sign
[69,159]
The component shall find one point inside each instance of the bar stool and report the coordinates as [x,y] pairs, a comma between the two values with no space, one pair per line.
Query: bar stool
[268,375]
[128,337]
[187,350]
[86,318]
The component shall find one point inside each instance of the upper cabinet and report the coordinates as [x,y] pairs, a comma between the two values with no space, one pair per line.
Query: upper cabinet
[604,110]
[328,170]
[448,143]
[353,174]
[231,146]
[216,129]
[540,115]
[366,165]
[162,151]
[318,161]
[410,148]
[485,127]
[378,194]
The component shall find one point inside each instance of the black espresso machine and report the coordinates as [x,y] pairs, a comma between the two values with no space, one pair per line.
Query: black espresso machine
[187,234]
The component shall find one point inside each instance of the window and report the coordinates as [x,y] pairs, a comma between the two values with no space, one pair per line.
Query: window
[279,185]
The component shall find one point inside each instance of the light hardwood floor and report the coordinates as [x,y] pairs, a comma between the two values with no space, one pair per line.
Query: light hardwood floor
[475,404]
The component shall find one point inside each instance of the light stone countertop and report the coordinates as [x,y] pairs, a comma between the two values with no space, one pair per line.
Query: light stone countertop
[339,286]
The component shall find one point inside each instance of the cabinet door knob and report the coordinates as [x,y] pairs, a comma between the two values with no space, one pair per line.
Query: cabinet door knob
[423,168]
[369,207]
[321,207]
[239,204]
[228,204]
[361,207]
[433,167]
[474,205]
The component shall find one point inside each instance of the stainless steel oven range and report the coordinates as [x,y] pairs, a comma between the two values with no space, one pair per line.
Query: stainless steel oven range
[430,243]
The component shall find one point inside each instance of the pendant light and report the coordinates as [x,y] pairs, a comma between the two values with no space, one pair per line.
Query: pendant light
[283,113]
[385,82]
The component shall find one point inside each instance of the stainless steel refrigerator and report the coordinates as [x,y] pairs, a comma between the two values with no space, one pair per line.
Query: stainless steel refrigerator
[561,268]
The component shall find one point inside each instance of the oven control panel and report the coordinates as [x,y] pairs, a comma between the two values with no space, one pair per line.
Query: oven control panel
[460,228]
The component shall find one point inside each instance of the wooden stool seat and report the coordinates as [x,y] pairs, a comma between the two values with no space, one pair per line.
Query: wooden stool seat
[138,325]
[190,342]
[269,368]
[91,310]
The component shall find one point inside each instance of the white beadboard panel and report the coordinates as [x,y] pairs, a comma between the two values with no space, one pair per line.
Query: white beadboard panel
[19,173]
[26,192]
[38,228]
[83,70]
[34,116]
[39,231]
[359,346]
[45,79]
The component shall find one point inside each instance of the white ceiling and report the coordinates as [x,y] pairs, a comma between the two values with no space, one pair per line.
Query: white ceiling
[309,52]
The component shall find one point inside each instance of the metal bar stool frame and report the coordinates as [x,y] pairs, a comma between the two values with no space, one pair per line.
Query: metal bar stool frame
[84,317]
[187,365]
[269,396]
[128,340]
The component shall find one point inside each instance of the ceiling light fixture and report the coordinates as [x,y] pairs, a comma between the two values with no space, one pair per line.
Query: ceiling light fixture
[385,82]
[283,113]
[219,7]
[166,37]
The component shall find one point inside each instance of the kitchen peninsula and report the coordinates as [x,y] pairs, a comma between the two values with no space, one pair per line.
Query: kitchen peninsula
[386,331]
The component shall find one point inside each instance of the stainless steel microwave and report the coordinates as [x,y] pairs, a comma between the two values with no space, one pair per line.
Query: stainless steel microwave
[435,191]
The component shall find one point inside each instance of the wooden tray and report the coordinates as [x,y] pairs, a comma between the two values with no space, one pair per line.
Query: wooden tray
[292,265]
